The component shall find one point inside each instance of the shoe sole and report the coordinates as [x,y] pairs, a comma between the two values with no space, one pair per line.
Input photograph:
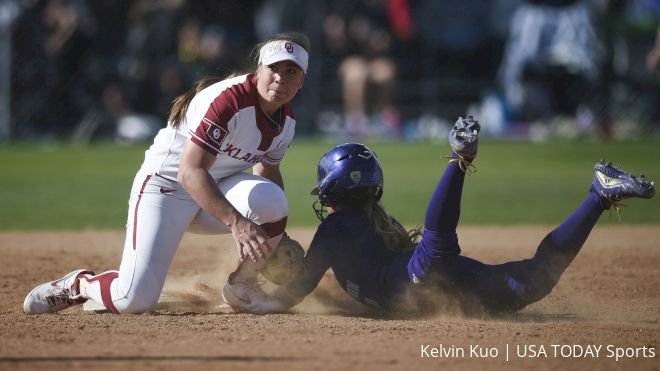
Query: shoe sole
[234,298]
[225,309]
[90,306]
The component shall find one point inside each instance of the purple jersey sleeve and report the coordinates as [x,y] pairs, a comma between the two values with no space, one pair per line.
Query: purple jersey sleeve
[362,265]
[317,261]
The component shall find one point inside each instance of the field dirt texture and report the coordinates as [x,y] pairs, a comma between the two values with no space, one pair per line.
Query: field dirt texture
[606,304]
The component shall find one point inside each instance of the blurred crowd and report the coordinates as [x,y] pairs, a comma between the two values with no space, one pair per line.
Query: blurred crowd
[386,69]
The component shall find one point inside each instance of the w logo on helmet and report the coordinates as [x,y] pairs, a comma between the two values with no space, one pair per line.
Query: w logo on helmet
[366,154]
[356,176]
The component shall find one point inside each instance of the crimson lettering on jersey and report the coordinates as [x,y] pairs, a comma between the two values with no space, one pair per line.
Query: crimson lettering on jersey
[235,152]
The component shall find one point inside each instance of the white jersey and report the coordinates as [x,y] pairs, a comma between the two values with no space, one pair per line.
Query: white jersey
[224,119]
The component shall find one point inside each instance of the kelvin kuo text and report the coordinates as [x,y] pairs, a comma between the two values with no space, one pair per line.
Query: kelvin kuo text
[537,351]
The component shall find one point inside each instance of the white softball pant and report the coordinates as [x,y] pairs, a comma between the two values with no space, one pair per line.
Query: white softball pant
[160,212]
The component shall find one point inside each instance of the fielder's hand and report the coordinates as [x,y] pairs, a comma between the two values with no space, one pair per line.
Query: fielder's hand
[250,240]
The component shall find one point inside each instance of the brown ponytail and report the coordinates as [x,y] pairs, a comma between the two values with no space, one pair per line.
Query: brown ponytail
[180,103]
[396,237]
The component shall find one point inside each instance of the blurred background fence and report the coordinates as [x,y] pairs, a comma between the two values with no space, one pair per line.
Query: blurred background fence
[82,70]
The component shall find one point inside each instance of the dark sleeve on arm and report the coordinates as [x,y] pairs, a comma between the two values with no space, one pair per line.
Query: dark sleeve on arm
[317,261]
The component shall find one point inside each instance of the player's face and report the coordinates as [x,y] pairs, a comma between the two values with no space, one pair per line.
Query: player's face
[278,83]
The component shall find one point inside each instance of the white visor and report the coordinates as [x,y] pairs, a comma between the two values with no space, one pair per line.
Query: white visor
[283,50]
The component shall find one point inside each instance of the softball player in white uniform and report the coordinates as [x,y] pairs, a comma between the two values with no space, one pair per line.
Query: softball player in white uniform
[192,179]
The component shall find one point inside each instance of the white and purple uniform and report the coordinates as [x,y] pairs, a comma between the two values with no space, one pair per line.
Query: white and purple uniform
[367,270]
[224,119]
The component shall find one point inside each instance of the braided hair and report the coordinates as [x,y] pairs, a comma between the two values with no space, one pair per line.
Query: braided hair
[394,235]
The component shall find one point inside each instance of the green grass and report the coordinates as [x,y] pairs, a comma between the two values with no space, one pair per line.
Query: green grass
[516,183]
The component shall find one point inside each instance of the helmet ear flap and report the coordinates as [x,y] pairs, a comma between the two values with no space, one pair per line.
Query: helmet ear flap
[331,186]
[324,195]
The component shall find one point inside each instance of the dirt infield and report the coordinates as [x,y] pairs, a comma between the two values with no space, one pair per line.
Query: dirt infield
[608,298]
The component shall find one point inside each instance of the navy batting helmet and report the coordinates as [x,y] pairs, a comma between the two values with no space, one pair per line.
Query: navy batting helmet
[346,167]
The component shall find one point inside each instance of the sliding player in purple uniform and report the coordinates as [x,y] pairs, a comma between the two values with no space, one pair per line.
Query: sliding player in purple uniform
[378,263]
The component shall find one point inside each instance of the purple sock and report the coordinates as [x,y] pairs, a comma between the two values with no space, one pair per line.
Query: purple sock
[444,208]
[560,246]
[439,241]
[604,202]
